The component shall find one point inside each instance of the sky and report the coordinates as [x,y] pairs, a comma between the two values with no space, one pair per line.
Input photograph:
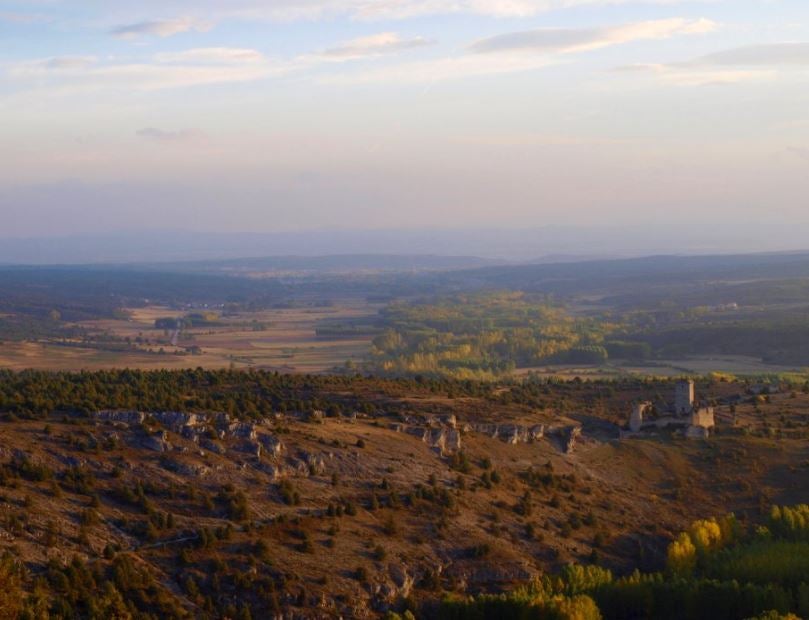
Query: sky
[294,115]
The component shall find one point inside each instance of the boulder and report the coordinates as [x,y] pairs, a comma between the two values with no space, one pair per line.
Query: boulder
[72,461]
[315,462]
[536,432]
[453,441]
[158,442]
[513,434]
[420,433]
[299,467]
[242,430]
[449,420]
[275,472]
[491,430]
[189,470]
[126,417]
[176,420]
[445,441]
[272,445]
[403,580]
[572,435]
[211,446]
[251,447]
[220,419]
[191,432]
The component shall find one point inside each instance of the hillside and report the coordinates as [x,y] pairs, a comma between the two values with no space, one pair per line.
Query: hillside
[211,494]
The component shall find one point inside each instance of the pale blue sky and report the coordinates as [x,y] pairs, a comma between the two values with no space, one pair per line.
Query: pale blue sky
[243,115]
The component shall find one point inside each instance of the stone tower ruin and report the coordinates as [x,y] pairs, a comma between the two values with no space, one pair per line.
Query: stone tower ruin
[684,397]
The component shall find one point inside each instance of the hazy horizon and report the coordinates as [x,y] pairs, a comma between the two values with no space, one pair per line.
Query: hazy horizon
[341,115]
[548,244]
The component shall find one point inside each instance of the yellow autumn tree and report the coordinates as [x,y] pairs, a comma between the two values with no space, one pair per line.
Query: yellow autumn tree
[682,555]
[706,535]
[578,607]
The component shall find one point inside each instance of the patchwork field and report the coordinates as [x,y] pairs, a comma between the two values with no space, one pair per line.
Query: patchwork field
[277,339]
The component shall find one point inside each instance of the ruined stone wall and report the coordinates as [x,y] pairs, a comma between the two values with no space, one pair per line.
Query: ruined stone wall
[636,419]
[703,417]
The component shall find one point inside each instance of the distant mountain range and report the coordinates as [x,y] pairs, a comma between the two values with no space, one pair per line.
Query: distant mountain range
[400,249]
[331,264]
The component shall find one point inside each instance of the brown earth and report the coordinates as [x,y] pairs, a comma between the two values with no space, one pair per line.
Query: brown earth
[449,527]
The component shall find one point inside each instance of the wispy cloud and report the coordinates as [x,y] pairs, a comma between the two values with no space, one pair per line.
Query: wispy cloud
[740,64]
[212,55]
[442,69]
[501,54]
[687,75]
[567,41]
[161,136]
[192,67]
[81,74]
[527,51]
[160,28]
[58,65]
[379,10]
[23,18]
[776,54]
[68,62]
[371,46]
[215,11]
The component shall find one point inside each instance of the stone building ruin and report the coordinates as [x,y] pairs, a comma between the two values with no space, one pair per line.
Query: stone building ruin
[683,397]
[697,420]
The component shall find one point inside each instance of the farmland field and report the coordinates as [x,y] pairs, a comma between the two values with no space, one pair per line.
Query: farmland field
[697,365]
[276,339]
